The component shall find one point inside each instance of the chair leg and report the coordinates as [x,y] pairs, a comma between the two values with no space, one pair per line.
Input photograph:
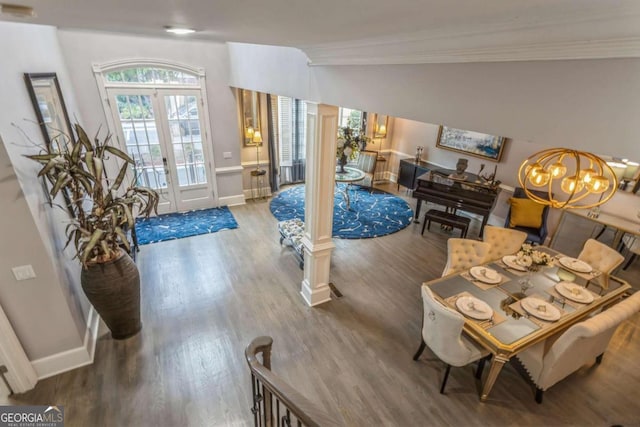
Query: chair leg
[481,363]
[599,359]
[539,393]
[420,350]
[444,380]
[604,228]
[633,258]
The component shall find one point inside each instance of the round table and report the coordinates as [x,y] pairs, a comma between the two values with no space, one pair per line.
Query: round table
[350,176]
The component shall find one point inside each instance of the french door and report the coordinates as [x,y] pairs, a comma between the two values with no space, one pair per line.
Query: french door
[162,130]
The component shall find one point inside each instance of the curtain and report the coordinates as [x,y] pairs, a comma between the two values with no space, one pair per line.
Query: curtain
[273,156]
[292,123]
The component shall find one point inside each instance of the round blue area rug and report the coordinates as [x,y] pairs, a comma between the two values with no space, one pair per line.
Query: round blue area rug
[373,213]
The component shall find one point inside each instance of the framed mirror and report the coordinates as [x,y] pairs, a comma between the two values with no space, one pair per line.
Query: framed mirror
[380,123]
[250,108]
[48,104]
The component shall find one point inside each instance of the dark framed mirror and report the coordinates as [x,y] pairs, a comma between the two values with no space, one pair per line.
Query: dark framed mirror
[48,104]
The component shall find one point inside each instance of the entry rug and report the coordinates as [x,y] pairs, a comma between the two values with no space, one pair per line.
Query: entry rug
[184,224]
[373,212]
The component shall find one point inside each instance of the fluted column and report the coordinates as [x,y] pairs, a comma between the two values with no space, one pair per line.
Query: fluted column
[322,128]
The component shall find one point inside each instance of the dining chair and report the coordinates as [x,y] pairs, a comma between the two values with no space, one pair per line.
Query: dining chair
[442,332]
[578,345]
[504,241]
[366,162]
[463,254]
[526,215]
[600,256]
[632,244]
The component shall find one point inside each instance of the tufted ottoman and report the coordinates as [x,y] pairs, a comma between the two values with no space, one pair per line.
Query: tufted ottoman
[292,231]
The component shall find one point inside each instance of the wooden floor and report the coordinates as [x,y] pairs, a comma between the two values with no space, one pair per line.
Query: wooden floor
[206,297]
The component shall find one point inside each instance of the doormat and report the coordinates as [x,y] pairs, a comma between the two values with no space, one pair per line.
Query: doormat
[184,224]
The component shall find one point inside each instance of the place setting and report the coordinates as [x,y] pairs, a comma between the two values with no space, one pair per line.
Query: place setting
[484,277]
[575,295]
[475,309]
[577,266]
[538,310]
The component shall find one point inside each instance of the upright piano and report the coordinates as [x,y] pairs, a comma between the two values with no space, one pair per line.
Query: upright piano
[467,195]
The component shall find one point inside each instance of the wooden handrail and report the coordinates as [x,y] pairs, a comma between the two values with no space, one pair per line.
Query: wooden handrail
[305,410]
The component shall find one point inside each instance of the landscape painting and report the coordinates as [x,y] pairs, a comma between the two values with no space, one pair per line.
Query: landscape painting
[473,143]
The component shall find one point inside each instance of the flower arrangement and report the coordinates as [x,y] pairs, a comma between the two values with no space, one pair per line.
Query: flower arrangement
[530,257]
[350,142]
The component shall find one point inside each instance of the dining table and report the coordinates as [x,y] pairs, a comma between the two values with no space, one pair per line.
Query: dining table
[517,306]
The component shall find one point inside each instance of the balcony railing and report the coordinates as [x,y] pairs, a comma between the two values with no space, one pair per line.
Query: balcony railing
[276,403]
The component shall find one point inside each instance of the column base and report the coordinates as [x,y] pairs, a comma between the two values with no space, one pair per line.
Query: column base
[315,296]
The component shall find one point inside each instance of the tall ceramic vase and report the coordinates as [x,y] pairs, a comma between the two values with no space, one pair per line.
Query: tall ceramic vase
[113,288]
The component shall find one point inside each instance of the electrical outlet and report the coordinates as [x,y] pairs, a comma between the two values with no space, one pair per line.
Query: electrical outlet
[226,154]
[24,272]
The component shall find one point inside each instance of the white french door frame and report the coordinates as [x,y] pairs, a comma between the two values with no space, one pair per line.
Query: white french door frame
[101,69]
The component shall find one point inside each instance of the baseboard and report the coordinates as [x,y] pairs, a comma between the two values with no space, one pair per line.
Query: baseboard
[266,191]
[236,200]
[71,359]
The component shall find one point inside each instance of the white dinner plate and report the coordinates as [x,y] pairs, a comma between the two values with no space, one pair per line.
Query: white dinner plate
[575,264]
[474,308]
[540,309]
[512,262]
[574,292]
[485,274]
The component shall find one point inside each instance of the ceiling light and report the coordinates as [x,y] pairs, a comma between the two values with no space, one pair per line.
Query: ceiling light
[577,174]
[179,30]
[17,10]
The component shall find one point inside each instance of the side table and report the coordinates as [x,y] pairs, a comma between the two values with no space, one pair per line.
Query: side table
[257,175]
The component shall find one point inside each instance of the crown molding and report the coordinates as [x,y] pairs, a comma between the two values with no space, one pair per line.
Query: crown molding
[601,49]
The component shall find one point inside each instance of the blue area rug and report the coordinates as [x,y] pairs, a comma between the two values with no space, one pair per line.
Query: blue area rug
[373,212]
[185,224]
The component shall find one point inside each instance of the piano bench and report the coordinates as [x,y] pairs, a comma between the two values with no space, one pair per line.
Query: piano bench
[446,218]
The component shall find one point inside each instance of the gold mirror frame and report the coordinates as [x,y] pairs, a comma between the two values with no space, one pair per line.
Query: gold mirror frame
[250,110]
[380,125]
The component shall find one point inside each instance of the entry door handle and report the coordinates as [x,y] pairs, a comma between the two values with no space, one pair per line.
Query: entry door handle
[166,168]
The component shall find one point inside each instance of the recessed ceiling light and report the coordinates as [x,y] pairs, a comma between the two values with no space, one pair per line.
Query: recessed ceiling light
[179,30]
[17,10]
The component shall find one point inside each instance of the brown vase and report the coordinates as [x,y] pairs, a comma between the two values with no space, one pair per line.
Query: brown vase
[113,288]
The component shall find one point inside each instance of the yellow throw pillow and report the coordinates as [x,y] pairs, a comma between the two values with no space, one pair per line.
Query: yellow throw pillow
[525,213]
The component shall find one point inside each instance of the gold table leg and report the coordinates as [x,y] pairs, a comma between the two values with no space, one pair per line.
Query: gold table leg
[496,366]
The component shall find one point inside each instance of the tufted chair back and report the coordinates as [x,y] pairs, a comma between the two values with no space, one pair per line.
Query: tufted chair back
[441,331]
[578,345]
[504,241]
[465,253]
[600,256]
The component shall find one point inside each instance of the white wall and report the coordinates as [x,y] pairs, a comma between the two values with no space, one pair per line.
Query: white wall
[45,312]
[81,49]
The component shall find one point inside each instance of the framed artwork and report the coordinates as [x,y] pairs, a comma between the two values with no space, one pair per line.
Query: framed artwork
[250,110]
[476,144]
[46,97]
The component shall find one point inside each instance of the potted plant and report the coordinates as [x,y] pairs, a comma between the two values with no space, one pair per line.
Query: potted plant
[350,142]
[102,213]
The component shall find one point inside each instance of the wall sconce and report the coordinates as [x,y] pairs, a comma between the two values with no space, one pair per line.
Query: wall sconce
[578,173]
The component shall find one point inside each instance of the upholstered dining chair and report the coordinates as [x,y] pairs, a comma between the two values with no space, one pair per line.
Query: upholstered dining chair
[632,244]
[366,162]
[504,241]
[526,215]
[442,332]
[465,253]
[578,345]
[600,256]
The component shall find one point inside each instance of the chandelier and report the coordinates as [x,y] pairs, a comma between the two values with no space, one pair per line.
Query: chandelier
[572,179]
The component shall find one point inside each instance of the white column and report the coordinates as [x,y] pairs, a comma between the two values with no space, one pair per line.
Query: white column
[322,128]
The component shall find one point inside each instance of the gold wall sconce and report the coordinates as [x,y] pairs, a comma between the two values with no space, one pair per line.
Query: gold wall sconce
[579,179]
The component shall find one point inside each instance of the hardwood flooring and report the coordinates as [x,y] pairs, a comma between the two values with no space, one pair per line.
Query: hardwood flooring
[205,297]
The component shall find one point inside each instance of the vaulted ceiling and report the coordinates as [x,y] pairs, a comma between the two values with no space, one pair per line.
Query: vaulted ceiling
[375,31]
